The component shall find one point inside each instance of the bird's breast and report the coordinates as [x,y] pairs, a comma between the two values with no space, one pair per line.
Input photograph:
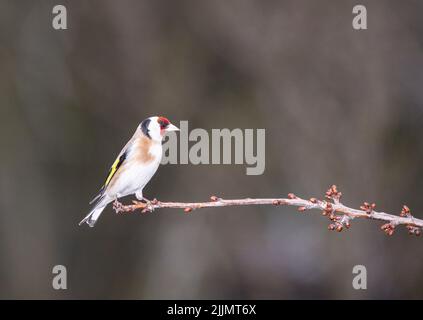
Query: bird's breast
[139,167]
[145,151]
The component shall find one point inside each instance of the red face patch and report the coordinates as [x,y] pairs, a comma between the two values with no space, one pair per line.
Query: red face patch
[163,122]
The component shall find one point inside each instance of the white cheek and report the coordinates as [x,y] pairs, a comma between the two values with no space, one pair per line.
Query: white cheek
[156,134]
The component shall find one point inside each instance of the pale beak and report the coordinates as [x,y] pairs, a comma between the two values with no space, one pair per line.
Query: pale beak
[171,127]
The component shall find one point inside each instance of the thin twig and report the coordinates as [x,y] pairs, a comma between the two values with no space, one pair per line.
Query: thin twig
[339,214]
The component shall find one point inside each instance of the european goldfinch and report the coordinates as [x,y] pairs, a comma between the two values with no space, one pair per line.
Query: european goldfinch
[134,166]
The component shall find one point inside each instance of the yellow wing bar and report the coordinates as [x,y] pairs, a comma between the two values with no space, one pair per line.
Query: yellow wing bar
[118,162]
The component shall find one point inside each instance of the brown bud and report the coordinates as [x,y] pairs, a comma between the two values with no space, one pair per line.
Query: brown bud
[414,230]
[313,200]
[339,228]
[405,212]
[368,207]
[187,210]
[331,227]
[301,209]
[333,193]
[214,198]
[388,228]
[291,196]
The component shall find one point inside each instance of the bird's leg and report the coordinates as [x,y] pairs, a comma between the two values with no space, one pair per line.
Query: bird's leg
[149,205]
[139,195]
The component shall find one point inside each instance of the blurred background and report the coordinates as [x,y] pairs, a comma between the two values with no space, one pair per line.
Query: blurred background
[339,107]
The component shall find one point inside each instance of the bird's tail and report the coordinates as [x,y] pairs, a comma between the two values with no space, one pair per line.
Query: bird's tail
[94,214]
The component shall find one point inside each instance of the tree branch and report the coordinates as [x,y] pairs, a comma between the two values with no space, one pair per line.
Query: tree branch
[339,214]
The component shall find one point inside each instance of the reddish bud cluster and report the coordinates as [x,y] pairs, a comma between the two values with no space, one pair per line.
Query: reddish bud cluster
[328,209]
[336,226]
[405,211]
[292,196]
[388,228]
[413,230]
[340,222]
[214,198]
[333,193]
[368,207]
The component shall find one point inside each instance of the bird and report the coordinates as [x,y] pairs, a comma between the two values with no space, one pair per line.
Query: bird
[133,168]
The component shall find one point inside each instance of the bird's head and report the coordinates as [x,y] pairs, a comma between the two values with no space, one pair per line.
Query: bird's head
[155,128]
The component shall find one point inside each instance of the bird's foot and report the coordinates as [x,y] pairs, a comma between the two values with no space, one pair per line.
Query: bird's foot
[118,207]
[149,205]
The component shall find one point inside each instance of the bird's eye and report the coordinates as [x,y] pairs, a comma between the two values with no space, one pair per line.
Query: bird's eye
[163,122]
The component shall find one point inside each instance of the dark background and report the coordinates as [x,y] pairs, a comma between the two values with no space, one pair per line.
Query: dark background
[338,105]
